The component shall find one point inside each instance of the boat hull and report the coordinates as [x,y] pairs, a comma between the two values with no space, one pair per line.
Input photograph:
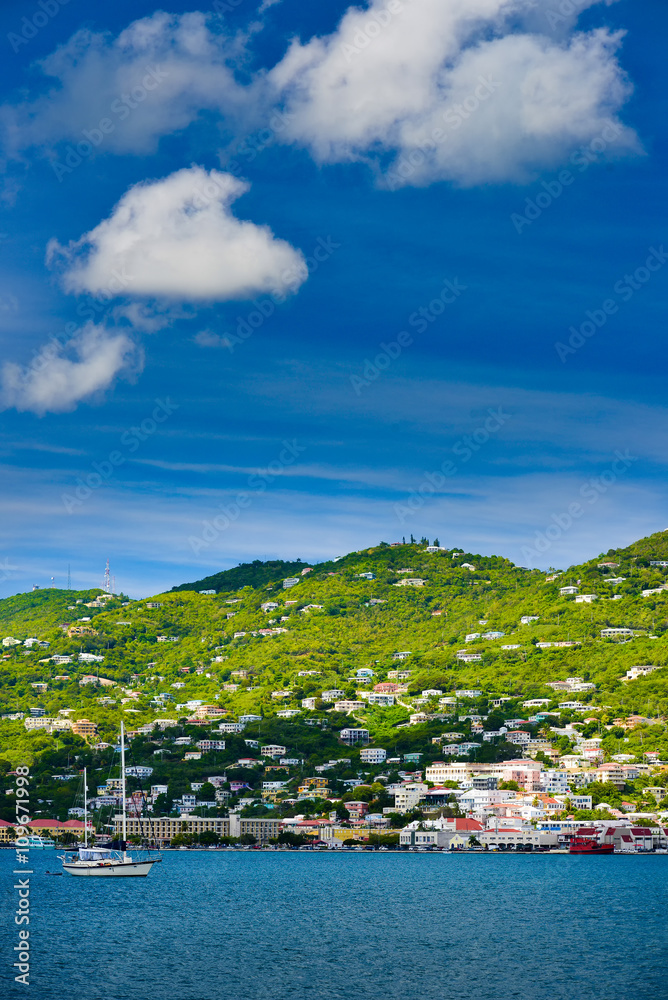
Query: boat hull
[591,849]
[130,869]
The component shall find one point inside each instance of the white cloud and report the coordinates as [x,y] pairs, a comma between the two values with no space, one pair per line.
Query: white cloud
[178,239]
[149,317]
[207,338]
[452,90]
[385,87]
[154,79]
[61,376]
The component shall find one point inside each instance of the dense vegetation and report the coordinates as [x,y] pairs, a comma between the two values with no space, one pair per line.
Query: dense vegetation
[336,622]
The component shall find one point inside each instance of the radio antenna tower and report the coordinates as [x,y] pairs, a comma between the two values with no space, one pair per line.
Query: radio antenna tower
[106,586]
[53,583]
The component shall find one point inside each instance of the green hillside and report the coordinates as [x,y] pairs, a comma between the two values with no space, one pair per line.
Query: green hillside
[255,574]
[334,622]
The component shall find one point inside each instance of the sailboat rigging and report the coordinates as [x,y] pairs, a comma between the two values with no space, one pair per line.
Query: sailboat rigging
[101,862]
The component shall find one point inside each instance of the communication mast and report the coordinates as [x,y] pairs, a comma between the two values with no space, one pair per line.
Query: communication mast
[106,585]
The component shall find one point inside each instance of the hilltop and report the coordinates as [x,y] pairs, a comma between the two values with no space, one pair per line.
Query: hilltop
[255,574]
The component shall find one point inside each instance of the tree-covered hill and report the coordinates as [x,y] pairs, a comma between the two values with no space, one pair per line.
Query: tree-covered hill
[165,653]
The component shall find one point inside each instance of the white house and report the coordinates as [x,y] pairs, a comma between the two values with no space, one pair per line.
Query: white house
[585,598]
[137,771]
[353,736]
[348,706]
[373,755]
[407,797]
[383,700]
[568,591]
[636,672]
[332,695]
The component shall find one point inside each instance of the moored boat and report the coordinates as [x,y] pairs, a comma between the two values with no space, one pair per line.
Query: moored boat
[592,841]
[37,843]
[102,862]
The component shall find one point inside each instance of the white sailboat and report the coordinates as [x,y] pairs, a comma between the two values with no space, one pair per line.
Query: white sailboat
[101,862]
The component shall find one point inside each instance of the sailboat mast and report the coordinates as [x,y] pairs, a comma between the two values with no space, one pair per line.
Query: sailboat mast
[85,810]
[125,821]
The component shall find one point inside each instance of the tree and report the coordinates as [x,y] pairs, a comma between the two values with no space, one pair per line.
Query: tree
[207,792]
[209,838]
[291,839]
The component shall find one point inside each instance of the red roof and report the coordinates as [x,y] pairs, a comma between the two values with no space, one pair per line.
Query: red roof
[55,824]
[467,824]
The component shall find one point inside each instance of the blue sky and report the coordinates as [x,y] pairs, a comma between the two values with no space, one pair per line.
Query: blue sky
[287,279]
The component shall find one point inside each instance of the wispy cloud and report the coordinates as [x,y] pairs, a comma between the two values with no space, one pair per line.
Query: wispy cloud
[62,375]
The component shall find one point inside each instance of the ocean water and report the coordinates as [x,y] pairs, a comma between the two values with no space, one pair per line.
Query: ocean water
[282,926]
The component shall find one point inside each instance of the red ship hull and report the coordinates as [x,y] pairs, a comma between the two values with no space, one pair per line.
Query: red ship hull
[581,846]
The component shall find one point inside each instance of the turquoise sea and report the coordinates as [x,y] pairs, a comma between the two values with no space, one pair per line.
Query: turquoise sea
[372,926]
